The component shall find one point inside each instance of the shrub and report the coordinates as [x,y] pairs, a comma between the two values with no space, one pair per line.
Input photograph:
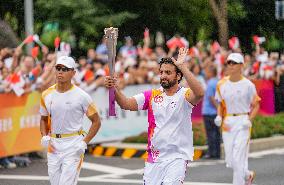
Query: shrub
[141,138]
[268,126]
[199,135]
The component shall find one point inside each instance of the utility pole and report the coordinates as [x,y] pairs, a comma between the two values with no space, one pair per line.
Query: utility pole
[279,10]
[279,14]
[29,22]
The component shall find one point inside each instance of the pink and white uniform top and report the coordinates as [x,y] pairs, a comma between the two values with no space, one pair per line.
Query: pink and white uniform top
[170,133]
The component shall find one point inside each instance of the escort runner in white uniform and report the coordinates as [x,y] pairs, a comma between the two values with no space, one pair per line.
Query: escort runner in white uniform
[238,105]
[62,109]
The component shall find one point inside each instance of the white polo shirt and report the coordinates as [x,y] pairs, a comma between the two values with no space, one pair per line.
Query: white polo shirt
[170,129]
[66,110]
[237,96]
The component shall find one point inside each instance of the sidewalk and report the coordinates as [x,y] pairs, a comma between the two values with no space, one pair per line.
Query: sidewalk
[132,150]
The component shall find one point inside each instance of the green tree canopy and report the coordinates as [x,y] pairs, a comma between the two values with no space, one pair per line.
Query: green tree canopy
[81,22]
[84,20]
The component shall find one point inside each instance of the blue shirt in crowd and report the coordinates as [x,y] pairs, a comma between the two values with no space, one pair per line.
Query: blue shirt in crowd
[102,49]
[207,107]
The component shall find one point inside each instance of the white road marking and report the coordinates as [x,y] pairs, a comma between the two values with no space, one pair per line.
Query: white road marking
[105,168]
[24,177]
[204,163]
[132,181]
[276,151]
[205,183]
[118,175]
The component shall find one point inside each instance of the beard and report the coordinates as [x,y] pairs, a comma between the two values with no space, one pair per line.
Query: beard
[166,84]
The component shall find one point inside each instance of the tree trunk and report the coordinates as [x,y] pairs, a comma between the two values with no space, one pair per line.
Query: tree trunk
[7,36]
[220,12]
[223,33]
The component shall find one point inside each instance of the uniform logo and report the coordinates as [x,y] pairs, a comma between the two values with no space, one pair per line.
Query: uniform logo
[155,153]
[158,99]
[173,104]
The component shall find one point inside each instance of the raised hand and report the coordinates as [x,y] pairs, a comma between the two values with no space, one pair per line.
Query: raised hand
[182,53]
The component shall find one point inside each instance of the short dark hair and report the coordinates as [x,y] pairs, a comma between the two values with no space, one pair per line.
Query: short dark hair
[170,61]
[213,69]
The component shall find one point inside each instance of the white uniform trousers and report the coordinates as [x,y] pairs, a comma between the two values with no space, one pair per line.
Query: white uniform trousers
[64,163]
[236,145]
[170,172]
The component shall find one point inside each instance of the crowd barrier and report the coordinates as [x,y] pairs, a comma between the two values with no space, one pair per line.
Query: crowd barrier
[19,118]
[265,89]
[19,124]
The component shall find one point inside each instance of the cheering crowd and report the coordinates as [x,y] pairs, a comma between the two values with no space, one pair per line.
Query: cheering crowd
[21,73]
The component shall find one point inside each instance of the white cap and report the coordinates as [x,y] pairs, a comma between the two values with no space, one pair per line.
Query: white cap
[66,61]
[236,57]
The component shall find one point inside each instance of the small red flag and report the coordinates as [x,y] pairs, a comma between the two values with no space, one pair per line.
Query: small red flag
[35,51]
[234,43]
[29,39]
[13,78]
[178,42]
[255,67]
[35,71]
[193,52]
[215,47]
[56,42]
[258,40]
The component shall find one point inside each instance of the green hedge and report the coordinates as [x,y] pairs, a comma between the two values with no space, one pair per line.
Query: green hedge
[263,126]
[199,135]
[142,138]
[268,126]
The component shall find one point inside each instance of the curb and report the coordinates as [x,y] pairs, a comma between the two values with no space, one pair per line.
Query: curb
[111,151]
[135,150]
[127,153]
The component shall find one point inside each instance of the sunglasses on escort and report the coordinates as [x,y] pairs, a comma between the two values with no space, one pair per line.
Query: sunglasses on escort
[63,69]
[232,63]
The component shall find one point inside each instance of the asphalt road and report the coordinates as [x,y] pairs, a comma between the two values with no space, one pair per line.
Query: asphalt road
[269,167]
